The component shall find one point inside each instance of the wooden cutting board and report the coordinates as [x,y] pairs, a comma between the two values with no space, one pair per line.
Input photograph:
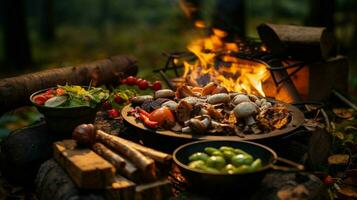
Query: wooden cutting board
[87,169]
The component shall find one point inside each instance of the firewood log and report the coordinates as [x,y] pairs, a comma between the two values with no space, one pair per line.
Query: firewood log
[15,91]
[305,43]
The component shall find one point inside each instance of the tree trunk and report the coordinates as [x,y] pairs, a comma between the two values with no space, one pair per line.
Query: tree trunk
[15,91]
[322,13]
[229,15]
[16,43]
[47,27]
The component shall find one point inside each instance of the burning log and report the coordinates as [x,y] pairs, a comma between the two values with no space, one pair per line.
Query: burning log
[306,43]
[15,91]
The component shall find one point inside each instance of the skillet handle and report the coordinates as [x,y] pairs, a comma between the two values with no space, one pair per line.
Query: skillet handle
[295,166]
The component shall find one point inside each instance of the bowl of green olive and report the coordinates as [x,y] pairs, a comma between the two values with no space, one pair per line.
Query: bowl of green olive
[224,166]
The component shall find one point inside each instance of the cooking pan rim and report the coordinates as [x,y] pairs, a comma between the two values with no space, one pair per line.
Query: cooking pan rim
[266,167]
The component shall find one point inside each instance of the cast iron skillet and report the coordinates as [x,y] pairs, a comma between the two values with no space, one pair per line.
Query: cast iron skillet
[297,119]
[205,182]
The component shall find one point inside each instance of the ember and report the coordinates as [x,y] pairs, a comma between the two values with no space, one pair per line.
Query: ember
[216,61]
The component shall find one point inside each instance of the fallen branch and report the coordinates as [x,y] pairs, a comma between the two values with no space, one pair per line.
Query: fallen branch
[15,91]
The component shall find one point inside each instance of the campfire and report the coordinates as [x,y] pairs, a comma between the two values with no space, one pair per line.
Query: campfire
[216,62]
[291,64]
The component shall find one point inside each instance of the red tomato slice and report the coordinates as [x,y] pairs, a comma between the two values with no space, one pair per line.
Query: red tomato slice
[39,99]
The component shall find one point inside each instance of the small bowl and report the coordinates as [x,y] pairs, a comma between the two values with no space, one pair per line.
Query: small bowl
[63,120]
[218,184]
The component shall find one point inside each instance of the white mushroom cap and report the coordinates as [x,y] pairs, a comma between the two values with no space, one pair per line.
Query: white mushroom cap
[218,98]
[246,110]
[172,105]
[239,98]
[164,93]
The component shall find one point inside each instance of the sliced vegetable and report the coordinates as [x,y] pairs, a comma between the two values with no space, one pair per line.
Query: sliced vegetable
[56,101]
[147,121]
[164,116]
[39,99]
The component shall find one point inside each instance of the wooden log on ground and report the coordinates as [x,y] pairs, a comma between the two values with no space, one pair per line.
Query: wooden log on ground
[15,91]
[23,151]
[52,182]
[121,188]
[157,190]
[86,168]
[305,43]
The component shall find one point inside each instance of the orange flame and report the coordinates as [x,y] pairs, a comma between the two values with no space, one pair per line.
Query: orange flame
[240,76]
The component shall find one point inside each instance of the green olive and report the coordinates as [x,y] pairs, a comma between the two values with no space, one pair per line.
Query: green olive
[210,150]
[197,164]
[210,170]
[198,156]
[256,164]
[217,153]
[240,151]
[242,169]
[228,154]
[241,159]
[216,162]
[226,148]
[229,169]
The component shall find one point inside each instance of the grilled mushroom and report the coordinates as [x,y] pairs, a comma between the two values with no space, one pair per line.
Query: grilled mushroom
[199,126]
[164,93]
[246,110]
[140,99]
[240,98]
[184,91]
[218,98]
[172,105]
[209,88]
[183,112]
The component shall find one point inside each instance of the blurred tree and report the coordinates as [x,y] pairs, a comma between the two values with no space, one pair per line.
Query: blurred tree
[322,13]
[47,27]
[103,17]
[228,15]
[16,43]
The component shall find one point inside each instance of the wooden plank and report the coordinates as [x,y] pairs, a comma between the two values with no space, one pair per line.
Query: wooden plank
[157,190]
[87,169]
[120,189]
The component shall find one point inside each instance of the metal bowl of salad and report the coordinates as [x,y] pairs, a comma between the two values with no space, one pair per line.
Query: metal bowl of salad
[65,107]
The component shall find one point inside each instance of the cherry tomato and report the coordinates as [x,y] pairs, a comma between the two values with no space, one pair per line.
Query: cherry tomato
[118,99]
[60,91]
[106,105]
[156,85]
[50,91]
[113,113]
[143,84]
[328,180]
[131,80]
[163,116]
[124,81]
[39,99]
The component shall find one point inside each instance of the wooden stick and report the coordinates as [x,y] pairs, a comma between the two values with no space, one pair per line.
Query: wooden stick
[145,164]
[109,155]
[344,99]
[152,153]
[122,164]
